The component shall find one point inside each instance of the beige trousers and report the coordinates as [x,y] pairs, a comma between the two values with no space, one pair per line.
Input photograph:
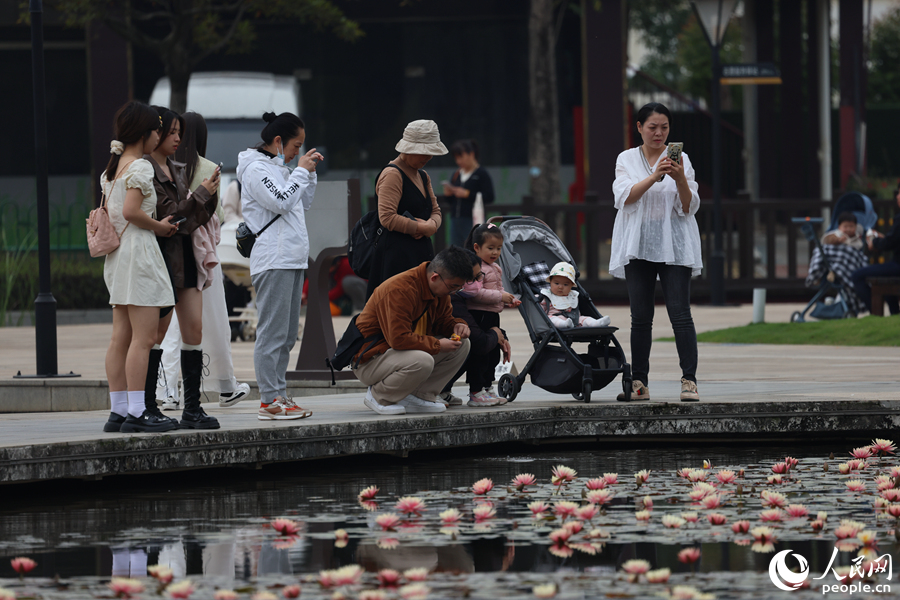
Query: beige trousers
[397,373]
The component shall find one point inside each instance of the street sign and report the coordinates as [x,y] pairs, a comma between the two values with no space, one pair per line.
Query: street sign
[750,74]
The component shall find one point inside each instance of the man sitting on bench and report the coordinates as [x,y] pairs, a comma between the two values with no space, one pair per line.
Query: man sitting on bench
[881,243]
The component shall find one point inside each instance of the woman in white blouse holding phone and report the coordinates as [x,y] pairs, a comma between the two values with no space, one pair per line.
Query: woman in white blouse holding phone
[655,235]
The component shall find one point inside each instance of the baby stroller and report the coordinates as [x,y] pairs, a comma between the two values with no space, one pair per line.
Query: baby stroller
[830,269]
[530,248]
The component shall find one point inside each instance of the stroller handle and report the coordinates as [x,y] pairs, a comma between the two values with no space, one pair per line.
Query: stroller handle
[501,218]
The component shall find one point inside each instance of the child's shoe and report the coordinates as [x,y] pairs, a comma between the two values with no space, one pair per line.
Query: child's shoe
[449,399]
[481,400]
[491,394]
[639,391]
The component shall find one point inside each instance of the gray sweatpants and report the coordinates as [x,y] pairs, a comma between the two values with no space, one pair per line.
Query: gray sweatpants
[278,293]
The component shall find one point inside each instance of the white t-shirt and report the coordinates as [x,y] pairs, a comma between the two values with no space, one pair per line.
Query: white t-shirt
[655,227]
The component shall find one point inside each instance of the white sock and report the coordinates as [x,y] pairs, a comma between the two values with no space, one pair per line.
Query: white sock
[592,322]
[118,402]
[190,347]
[560,322]
[157,347]
[138,563]
[136,404]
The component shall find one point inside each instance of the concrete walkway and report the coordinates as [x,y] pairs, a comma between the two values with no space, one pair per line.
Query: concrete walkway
[746,390]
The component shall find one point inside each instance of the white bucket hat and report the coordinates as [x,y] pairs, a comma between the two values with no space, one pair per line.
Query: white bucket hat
[421,137]
[562,269]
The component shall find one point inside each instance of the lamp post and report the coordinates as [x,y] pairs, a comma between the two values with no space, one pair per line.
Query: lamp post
[714,16]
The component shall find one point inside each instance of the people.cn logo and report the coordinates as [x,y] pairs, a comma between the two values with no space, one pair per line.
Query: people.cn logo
[784,578]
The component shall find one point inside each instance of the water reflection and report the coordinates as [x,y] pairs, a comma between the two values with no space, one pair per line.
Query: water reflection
[216,525]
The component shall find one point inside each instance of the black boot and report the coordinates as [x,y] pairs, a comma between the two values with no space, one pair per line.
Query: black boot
[150,406]
[193,416]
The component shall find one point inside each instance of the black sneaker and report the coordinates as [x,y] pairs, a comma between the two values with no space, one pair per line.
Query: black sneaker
[114,423]
[198,419]
[154,410]
[147,423]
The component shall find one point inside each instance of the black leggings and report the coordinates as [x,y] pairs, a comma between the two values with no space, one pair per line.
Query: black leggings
[480,367]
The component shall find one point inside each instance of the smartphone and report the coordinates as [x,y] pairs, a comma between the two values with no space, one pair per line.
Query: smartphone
[674,151]
[179,220]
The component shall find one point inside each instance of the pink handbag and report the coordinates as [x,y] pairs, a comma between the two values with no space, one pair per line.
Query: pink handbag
[101,234]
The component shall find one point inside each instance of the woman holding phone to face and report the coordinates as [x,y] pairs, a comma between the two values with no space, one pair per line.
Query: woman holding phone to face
[193,208]
[655,235]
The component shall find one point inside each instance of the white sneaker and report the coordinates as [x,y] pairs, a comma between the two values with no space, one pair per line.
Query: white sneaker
[450,400]
[414,404]
[390,409]
[481,399]
[240,392]
[171,403]
[489,391]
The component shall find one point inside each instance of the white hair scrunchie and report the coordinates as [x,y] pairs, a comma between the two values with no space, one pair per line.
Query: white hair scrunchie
[116,147]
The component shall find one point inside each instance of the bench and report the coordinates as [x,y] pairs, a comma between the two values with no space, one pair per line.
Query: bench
[881,287]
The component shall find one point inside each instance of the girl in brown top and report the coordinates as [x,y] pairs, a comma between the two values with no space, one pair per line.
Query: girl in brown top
[407,207]
[196,207]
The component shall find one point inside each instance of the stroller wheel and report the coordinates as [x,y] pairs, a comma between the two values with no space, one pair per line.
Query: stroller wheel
[797,317]
[508,386]
[577,395]
[586,391]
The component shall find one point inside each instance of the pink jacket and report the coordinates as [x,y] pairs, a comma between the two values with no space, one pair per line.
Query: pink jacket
[486,294]
[204,240]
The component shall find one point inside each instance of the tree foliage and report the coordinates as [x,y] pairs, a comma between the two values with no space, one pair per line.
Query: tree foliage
[184,32]
[884,58]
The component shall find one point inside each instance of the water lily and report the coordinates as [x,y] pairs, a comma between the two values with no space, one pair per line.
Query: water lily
[892,494]
[341,538]
[263,595]
[482,486]
[716,518]
[22,565]
[559,536]
[225,595]
[861,452]
[884,482]
[726,476]
[123,587]
[369,493]
[848,529]
[690,517]
[740,526]
[822,515]
[325,579]
[286,526]
[414,591]
[372,595]
[161,573]
[817,525]
[636,566]
[561,551]
[696,475]
[348,575]
[644,515]
[771,515]
[672,522]
[712,501]
[6,594]
[538,508]
[597,483]
[868,538]
[562,475]
[642,476]
[388,543]
[547,590]
[565,509]
[658,576]
[796,511]
[855,485]
[451,516]
[844,468]
[894,510]
[648,502]
[410,505]
[689,555]
[764,539]
[388,577]
[522,480]
[773,499]
[791,462]
[779,468]
[182,589]
[611,478]
[483,512]
[416,574]
[775,479]
[600,497]
[587,512]
[684,472]
[369,505]
[574,527]
[388,521]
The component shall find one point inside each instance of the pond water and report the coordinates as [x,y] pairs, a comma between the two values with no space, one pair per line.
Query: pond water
[216,528]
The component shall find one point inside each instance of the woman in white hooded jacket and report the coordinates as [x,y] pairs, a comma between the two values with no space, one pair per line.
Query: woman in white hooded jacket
[275,198]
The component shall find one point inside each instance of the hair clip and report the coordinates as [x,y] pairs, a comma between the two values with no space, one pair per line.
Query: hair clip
[489,225]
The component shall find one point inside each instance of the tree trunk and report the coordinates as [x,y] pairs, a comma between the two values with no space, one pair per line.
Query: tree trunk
[543,113]
[179,75]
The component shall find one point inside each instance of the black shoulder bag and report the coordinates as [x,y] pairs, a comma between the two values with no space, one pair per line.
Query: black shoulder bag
[246,238]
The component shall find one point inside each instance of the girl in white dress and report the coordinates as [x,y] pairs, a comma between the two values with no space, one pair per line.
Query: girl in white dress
[135,273]
[655,235]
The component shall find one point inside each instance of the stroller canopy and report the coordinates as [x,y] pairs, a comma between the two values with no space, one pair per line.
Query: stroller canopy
[858,204]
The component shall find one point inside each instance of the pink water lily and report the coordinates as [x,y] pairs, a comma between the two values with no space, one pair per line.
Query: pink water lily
[451,516]
[712,501]
[861,452]
[124,587]
[647,502]
[771,515]
[548,590]
[690,517]
[369,493]
[538,508]
[388,578]
[689,555]
[882,447]
[286,526]
[775,479]
[642,476]
[672,522]
[683,472]
[779,468]
[347,575]
[855,485]
[892,494]
[416,574]
[22,565]
[483,512]
[562,475]
[263,595]
[597,483]
[773,499]
[522,480]
[817,524]
[894,510]
[560,536]
[726,476]
[7,594]
[410,505]
[844,468]
[587,512]
[857,464]
[716,518]
[644,515]
[161,573]
[600,497]
[658,576]
[611,478]
[791,462]
[414,591]
[291,591]
[696,475]
[182,589]
[796,511]
[740,526]
[884,482]
[482,486]
[574,526]
[388,521]
[565,509]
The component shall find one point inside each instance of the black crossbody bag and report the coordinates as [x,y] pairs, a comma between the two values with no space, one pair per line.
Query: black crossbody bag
[246,238]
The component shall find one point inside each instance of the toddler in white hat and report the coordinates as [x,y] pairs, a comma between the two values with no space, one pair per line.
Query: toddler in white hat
[560,301]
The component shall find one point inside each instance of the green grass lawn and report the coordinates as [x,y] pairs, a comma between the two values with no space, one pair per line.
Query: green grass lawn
[868,331]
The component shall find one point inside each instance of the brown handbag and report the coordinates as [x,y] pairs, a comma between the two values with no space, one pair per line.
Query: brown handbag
[101,234]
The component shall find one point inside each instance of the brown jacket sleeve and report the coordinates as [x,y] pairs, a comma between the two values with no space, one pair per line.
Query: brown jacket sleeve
[173,200]
[400,315]
[389,189]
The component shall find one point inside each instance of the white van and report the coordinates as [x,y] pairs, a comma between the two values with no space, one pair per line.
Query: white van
[233,103]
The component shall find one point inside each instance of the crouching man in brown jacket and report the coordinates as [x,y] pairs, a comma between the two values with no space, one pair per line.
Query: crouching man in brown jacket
[408,369]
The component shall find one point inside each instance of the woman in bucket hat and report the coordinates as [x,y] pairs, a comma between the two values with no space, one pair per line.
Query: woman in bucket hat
[407,207]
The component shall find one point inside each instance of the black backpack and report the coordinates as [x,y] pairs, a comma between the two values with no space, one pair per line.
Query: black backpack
[350,344]
[363,240]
